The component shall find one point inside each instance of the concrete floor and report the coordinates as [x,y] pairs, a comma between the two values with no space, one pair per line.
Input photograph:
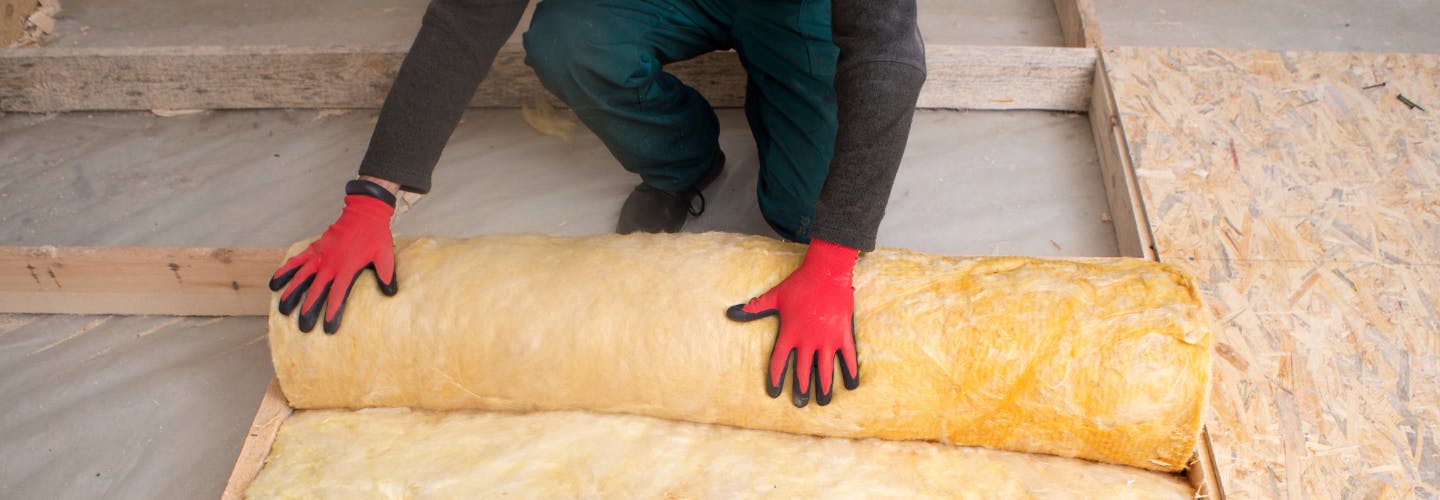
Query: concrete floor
[971,183]
[126,406]
[156,407]
[1339,25]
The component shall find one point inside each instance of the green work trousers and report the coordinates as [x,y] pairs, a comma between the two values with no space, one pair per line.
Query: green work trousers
[605,59]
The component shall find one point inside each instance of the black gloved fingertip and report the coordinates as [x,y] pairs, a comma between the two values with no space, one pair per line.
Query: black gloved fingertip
[306,324]
[289,302]
[278,281]
[309,317]
[799,399]
[822,394]
[773,390]
[737,313]
[332,325]
[389,289]
[852,380]
[797,396]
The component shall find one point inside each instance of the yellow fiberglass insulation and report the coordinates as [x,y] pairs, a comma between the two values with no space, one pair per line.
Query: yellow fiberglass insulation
[394,453]
[1102,359]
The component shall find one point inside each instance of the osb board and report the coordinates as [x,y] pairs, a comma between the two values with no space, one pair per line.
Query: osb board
[1308,208]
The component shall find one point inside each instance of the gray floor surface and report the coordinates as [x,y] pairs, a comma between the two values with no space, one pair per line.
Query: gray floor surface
[156,407]
[1337,25]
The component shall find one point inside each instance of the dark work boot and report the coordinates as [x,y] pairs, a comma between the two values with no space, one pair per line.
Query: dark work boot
[651,210]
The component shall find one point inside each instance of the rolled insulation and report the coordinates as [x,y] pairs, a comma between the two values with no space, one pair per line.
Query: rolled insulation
[1103,359]
[401,454]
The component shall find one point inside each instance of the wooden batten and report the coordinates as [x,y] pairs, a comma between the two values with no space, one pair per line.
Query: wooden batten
[273,411]
[54,79]
[136,280]
[1203,474]
[1008,78]
[1078,23]
[1127,208]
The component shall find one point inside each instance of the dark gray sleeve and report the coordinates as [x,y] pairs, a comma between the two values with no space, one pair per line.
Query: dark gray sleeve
[452,52]
[877,81]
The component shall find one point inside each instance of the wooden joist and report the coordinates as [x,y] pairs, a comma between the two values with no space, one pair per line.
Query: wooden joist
[46,80]
[273,411]
[136,280]
[1078,23]
[1002,78]
[1127,207]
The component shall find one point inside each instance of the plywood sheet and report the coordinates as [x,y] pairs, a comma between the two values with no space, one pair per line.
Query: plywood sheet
[1305,199]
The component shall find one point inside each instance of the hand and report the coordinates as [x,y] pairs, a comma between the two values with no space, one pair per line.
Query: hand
[816,308]
[324,272]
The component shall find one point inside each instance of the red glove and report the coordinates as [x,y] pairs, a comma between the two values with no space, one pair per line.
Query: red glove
[816,305]
[360,239]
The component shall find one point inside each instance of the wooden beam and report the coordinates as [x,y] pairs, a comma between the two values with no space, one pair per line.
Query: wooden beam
[273,411]
[54,79]
[137,280]
[1004,78]
[1078,23]
[1202,472]
[142,78]
[1127,207]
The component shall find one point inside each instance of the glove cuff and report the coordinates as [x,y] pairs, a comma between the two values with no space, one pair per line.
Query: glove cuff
[831,256]
[366,188]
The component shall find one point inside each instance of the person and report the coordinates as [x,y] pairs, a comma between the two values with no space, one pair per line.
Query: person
[830,96]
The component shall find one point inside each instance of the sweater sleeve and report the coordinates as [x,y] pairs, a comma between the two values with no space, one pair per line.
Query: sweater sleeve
[877,82]
[457,42]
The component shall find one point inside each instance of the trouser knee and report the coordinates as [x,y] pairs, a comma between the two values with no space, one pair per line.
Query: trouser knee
[575,61]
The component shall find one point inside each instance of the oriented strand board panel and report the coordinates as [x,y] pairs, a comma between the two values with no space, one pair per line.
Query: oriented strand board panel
[1305,199]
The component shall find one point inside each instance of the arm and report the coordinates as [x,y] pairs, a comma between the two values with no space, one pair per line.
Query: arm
[877,81]
[452,52]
